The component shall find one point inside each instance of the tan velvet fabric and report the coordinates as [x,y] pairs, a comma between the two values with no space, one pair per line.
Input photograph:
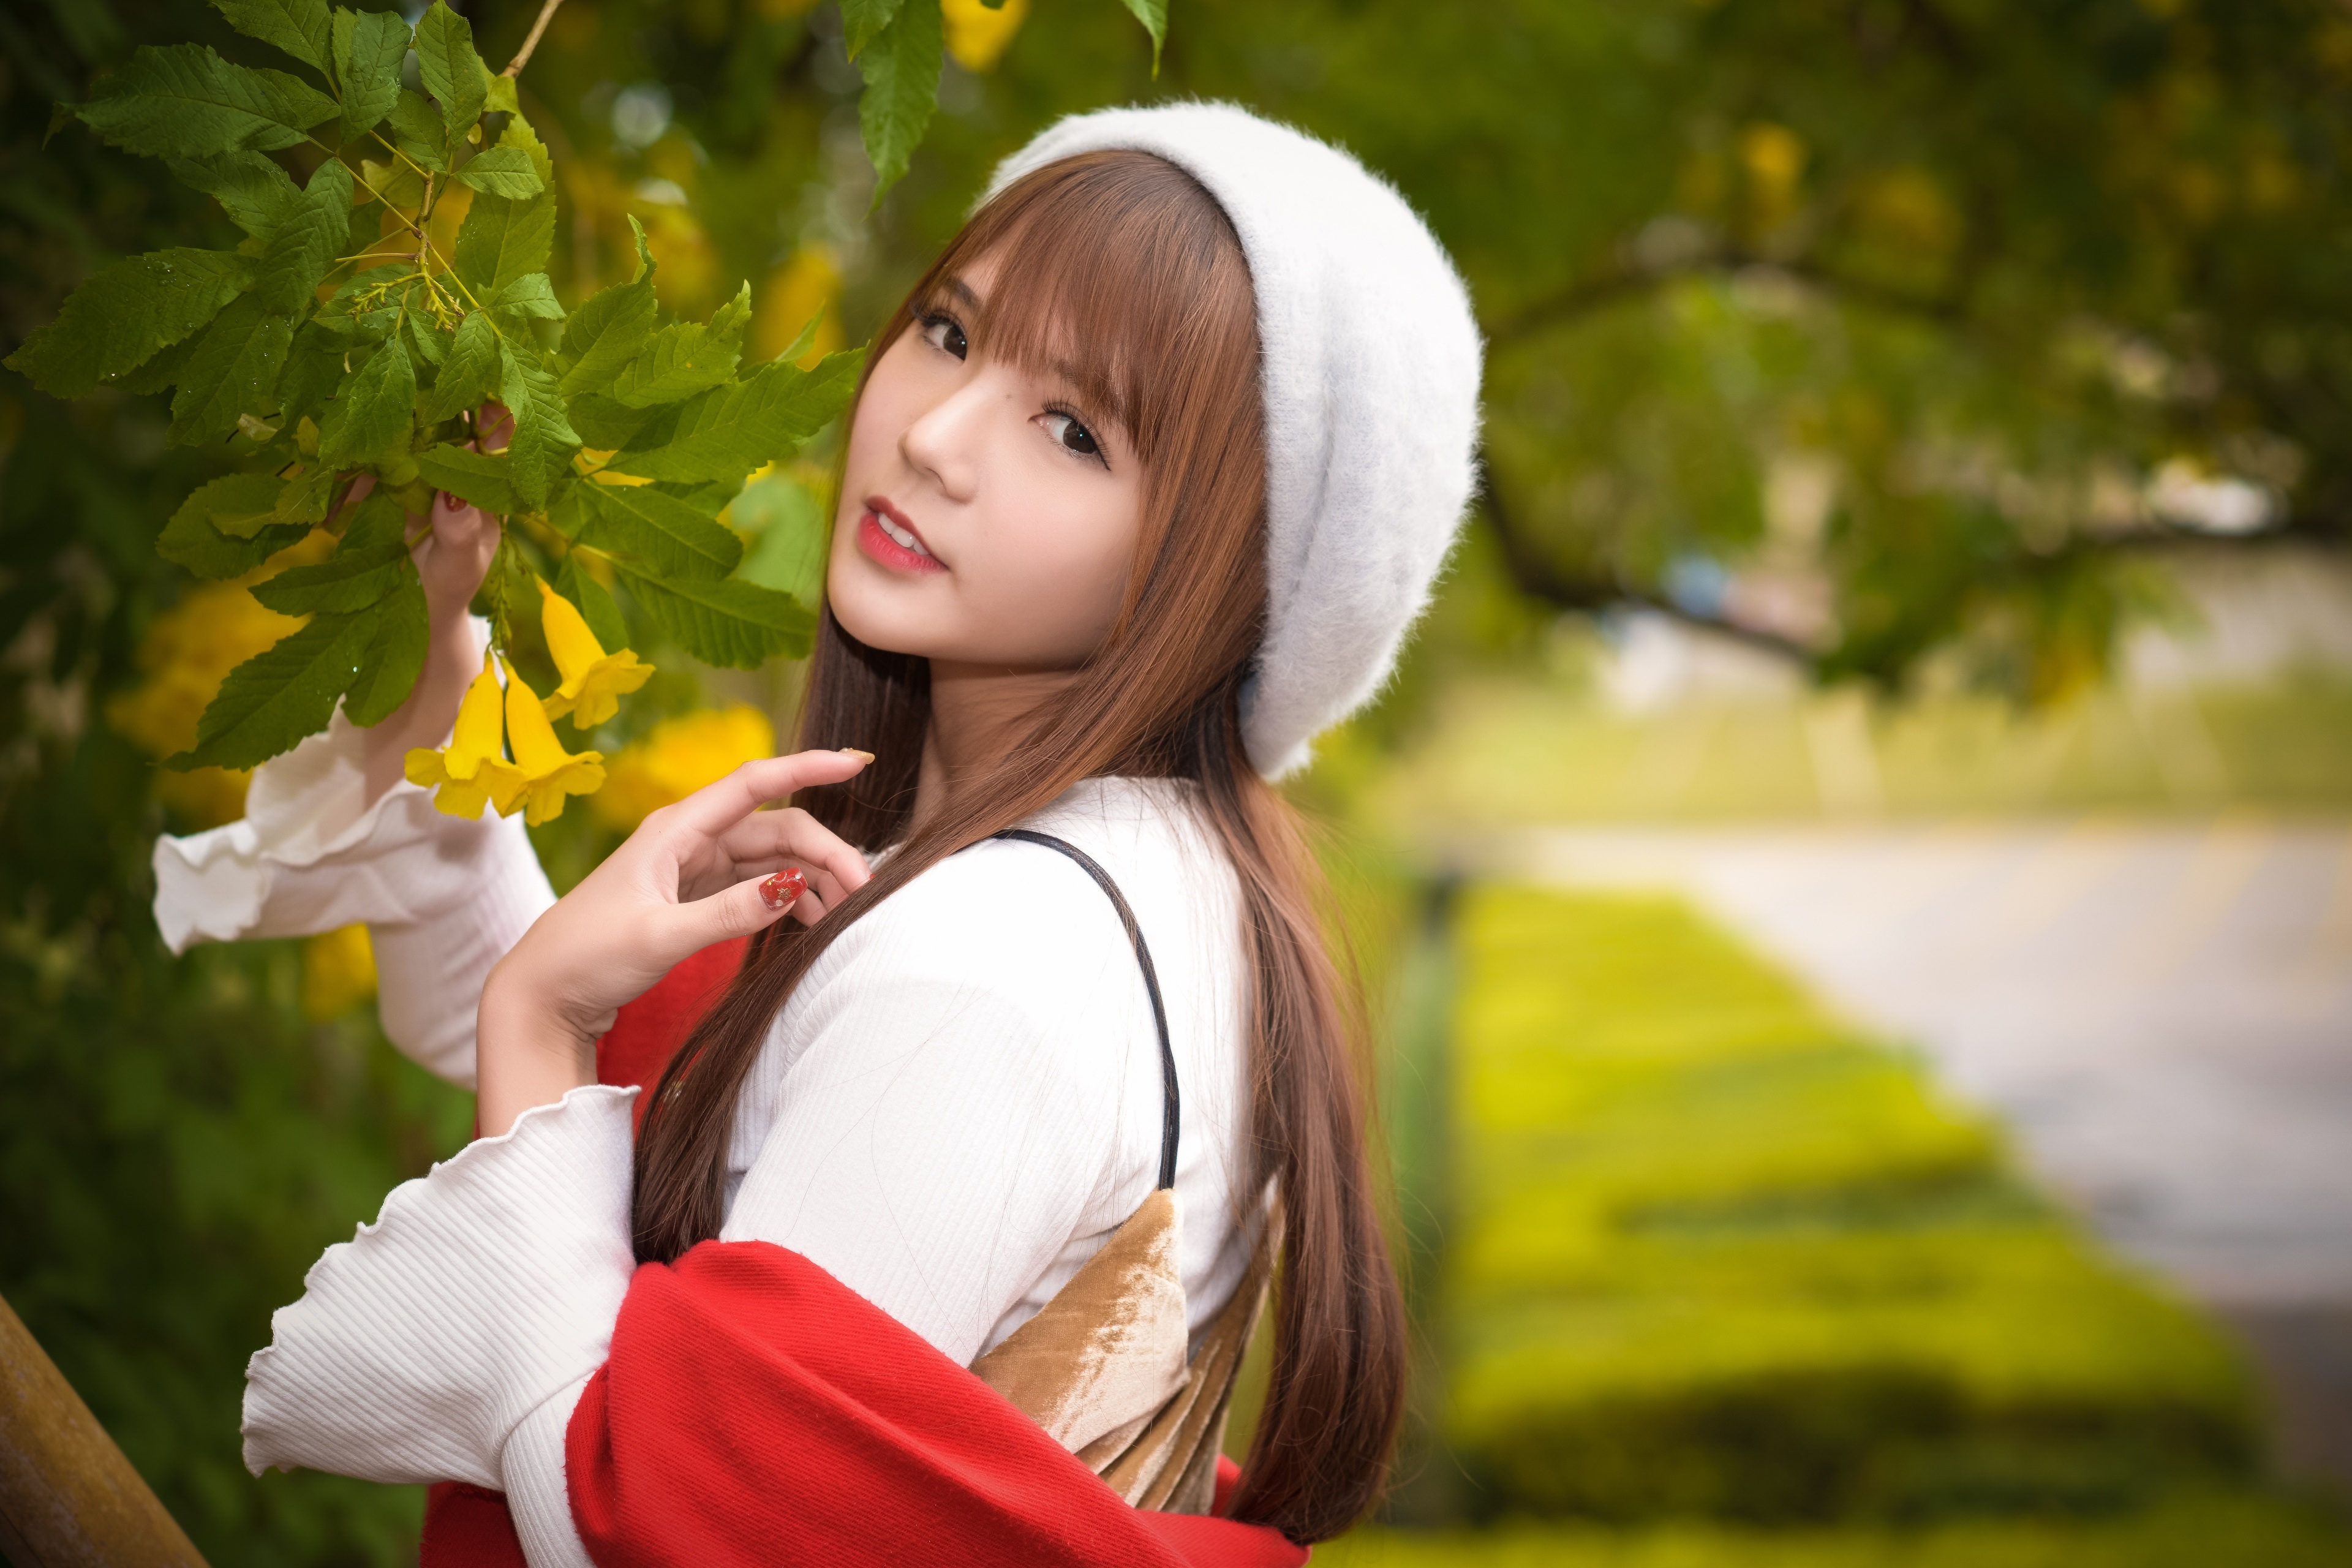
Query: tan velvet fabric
[1104,1366]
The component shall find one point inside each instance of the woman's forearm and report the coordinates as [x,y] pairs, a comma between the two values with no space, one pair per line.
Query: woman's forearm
[528,1052]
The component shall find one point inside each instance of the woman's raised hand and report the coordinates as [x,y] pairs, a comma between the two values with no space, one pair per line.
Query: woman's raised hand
[454,545]
[712,866]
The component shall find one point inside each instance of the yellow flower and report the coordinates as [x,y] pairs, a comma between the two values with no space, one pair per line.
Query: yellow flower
[680,757]
[542,771]
[338,973]
[594,681]
[472,766]
[977,35]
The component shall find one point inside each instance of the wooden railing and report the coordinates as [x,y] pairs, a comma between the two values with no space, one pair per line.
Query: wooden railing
[68,1497]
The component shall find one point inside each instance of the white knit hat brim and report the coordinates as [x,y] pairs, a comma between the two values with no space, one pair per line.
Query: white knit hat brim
[1371,375]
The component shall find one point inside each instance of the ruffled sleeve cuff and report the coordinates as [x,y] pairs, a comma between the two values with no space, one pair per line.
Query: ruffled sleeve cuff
[442,896]
[485,1293]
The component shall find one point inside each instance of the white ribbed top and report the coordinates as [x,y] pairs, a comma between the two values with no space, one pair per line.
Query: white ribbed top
[952,1114]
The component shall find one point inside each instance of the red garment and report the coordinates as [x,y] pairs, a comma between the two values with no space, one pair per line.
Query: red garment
[757,1411]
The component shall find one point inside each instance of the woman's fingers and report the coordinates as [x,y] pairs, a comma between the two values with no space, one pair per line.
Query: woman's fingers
[714,808]
[455,556]
[747,907]
[767,840]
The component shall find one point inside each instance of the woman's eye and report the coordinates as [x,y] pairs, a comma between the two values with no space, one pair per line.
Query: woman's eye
[942,333]
[1071,435]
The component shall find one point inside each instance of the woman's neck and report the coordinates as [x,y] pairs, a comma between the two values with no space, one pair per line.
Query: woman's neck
[979,713]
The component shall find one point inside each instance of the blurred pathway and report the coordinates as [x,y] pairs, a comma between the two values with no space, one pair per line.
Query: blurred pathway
[2163,1014]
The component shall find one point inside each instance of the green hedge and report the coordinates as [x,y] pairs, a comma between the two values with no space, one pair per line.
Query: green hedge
[1712,1252]
[2219,1532]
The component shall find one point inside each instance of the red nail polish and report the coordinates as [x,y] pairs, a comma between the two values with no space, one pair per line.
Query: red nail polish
[784,889]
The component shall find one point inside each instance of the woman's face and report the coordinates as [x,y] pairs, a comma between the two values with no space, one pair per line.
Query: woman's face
[987,516]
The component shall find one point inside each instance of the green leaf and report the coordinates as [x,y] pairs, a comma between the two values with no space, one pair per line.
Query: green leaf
[685,358]
[502,99]
[502,172]
[185,102]
[902,87]
[370,48]
[427,341]
[801,340]
[418,130]
[376,523]
[251,187]
[532,294]
[669,537]
[313,369]
[234,371]
[305,497]
[606,332]
[160,374]
[484,478]
[236,506]
[594,602]
[306,242]
[862,21]
[300,28]
[373,410]
[472,373]
[727,432]
[117,319]
[788,542]
[608,426]
[395,656]
[543,437]
[192,538]
[503,238]
[1153,14]
[731,622]
[273,700]
[347,581]
[454,74]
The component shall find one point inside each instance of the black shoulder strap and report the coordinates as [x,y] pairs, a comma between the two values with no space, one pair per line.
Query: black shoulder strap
[1171,1115]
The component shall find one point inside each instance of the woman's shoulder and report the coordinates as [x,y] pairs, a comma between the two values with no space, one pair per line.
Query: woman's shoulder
[1002,911]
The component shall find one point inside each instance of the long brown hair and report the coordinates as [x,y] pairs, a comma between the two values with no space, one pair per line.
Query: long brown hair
[1118,267]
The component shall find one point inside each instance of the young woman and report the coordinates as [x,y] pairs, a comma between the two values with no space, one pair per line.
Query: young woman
[1046,1071]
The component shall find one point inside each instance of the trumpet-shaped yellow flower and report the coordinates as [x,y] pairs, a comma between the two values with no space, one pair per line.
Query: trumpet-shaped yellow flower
[542,771]
[472,766]
[594,681]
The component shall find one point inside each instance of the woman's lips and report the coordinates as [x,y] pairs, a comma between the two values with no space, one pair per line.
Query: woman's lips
[887,536]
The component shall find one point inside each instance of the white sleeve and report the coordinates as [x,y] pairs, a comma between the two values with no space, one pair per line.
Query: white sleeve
[450,1340]
[443,898]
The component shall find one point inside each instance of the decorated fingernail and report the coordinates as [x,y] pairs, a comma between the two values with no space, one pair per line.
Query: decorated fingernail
[853,752]
[784,889]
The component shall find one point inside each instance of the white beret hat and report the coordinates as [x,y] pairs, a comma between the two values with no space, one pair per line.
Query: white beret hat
[1370,381]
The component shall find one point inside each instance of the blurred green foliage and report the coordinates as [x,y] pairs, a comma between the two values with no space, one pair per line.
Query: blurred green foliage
[2198,1532]
[1712,1252]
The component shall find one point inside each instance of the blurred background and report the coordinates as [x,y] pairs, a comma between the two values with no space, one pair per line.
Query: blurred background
[1855,878]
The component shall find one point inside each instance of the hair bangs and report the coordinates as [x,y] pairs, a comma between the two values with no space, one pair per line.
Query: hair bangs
[1112,272]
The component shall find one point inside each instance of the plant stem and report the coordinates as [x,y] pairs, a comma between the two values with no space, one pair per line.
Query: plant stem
[531,42]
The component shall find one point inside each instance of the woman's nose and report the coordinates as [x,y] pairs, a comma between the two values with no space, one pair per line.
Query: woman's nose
[946,439]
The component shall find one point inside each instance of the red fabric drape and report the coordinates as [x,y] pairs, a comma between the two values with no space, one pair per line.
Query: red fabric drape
[755,1410]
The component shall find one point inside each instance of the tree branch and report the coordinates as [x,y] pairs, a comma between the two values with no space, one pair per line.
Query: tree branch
[1539,577]
[530,40]
[1591,293]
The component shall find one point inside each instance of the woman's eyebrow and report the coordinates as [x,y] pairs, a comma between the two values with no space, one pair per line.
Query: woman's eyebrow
[962,291]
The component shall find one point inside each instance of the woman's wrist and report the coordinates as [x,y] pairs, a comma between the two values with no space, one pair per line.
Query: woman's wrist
[527,1050]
